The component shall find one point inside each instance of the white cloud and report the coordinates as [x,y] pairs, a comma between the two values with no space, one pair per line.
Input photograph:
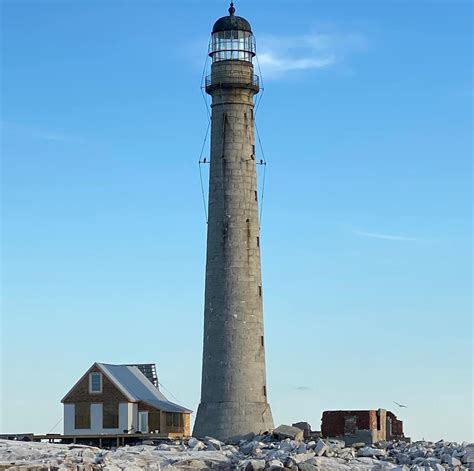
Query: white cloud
[278,55]
[376,235]
[36,133]
[273,64]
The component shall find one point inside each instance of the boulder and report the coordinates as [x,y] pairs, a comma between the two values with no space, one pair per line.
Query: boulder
[347,453]
[307,467]
[191,464]
[301,458]
[286,431]
[302,448]
[252,465]
[248,447]
[288,444]
[305,426]
[192,442]
[369,452]
[274,465]
[452,461]
[403,458]
[358,445]
[336,444]
[321,448]
[213,443]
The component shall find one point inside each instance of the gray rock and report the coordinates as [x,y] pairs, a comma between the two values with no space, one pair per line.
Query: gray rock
[193,442]
[274,465]
[335,444]
[254,465]
[192,464]
[288,444]
[305,426]
[347,453]
[286,431]
[370,452]
[307,467]
[452,461]
[302,448]
[302,457]
[358,445]
[196,444]
[212,442]
[417,453]
[321,448]
[403,459]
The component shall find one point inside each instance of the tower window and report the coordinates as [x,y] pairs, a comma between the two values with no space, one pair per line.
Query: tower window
[261,339]
[256,195]
[260,291]
[265,391]
[258,241]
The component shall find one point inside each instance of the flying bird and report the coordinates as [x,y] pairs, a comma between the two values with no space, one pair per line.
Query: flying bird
[399,405]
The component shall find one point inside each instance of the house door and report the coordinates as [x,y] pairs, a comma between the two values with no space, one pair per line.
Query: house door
[143,422]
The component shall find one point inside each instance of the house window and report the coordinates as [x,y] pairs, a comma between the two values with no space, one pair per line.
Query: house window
[82,415]
[174,419]
[143,421]
[95,382]
[110,415]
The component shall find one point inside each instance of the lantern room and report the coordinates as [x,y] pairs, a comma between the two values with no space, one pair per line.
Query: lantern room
[232,39]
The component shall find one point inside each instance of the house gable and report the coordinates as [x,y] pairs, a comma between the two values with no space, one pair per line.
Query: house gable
[80,391]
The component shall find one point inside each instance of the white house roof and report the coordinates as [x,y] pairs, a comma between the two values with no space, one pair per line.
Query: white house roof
[135,386]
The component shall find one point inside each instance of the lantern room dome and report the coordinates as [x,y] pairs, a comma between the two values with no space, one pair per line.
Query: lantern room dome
[231,23]
[232,39]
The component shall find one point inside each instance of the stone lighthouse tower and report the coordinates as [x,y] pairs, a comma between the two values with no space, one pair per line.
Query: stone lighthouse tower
[233,391]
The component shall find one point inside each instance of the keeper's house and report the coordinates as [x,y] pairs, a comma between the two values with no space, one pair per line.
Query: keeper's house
[117,399]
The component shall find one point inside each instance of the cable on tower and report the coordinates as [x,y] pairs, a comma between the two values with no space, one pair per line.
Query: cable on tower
[262,88]
[200,162]
[262,162]
[203,85]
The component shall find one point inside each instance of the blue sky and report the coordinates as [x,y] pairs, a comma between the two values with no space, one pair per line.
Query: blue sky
[366,230]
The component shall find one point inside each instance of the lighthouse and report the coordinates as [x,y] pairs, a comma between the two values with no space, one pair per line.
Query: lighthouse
[233,389]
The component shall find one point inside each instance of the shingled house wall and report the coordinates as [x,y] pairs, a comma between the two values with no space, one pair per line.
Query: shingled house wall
[79,403]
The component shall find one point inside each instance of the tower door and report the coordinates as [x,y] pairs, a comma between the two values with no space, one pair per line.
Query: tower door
[143,422]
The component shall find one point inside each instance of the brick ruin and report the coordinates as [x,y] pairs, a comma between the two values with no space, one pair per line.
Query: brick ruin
[369,426]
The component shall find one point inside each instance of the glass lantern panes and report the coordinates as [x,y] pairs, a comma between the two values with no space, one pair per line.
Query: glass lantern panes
[232,45]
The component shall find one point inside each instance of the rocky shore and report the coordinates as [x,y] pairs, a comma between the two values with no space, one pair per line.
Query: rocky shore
[258,453]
